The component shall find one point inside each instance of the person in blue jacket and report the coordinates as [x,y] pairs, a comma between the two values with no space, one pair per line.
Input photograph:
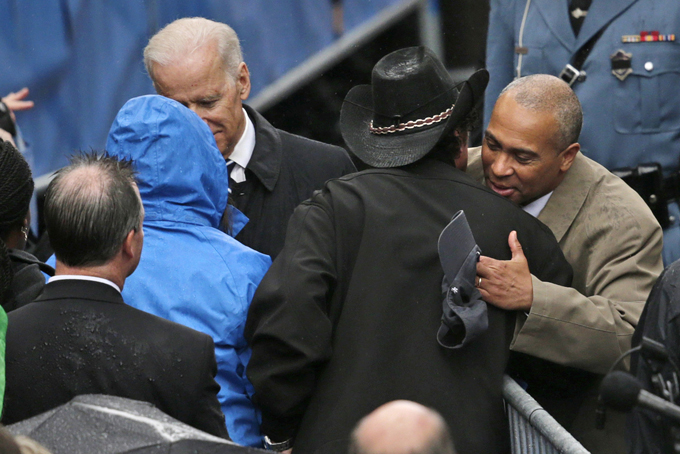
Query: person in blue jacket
[190,272]
[629,95]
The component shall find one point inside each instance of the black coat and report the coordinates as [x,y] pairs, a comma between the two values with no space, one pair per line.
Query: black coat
[80,337]
[649,432]
[284,170]
[347,316]
[28,281]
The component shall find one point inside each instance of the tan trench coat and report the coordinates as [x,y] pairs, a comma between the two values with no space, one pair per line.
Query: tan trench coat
[613,242]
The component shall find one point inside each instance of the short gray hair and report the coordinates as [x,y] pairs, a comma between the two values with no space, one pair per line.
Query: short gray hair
[90,207]
[184,36]
[545,93]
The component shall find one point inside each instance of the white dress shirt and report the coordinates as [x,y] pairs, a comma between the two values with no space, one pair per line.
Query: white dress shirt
[78,277]
[243,151]
[534,208]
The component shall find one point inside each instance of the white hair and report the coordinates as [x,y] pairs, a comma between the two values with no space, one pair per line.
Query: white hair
[185,36]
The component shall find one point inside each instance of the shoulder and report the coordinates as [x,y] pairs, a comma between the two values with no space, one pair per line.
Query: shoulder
[237,257]
[304,149]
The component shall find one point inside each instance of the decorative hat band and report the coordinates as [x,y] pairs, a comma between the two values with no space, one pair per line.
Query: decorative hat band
[412,124]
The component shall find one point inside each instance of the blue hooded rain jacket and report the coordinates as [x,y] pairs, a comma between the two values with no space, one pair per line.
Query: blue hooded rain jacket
[190,272]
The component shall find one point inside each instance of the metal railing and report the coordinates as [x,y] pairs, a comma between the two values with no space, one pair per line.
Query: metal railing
[532,429]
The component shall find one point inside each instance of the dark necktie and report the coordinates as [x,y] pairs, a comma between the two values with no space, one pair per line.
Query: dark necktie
[230,167]
[577,13]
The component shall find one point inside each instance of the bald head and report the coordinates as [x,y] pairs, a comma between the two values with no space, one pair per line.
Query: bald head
[401,427]
[549,94]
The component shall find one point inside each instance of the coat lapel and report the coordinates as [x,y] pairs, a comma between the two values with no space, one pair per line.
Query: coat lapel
[600,14]
[568,198]
[267,156]
[556,16]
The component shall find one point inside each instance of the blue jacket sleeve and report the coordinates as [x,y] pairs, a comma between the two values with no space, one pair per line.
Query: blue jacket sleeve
[242,418]
[233,353]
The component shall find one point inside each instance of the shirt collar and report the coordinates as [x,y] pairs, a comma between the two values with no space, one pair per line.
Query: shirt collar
[534,208]
[243,150]
[63,277]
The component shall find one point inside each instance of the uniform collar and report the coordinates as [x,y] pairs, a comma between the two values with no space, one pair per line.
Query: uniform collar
[601,12]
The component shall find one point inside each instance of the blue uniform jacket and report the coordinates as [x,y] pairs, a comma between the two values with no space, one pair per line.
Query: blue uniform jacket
[190,272]
[626,122]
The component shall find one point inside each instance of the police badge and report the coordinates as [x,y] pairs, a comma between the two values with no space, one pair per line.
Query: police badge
[621,65]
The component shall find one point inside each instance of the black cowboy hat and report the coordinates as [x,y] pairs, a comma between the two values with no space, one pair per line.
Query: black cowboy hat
[410,105]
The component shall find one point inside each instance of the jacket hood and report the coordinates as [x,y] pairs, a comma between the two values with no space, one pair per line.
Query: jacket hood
[181,174]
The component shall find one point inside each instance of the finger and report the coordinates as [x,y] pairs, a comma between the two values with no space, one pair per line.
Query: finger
[515,247]
[21,94]
[483,270]
[487,261]
[17,96]
[20,105]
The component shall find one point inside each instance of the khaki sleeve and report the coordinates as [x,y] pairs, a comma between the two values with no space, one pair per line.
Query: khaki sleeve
[589,326]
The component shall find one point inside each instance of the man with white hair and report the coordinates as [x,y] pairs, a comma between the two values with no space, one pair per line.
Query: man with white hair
[198,62]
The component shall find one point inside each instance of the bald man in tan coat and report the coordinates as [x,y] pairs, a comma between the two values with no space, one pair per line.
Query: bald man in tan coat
[530,155]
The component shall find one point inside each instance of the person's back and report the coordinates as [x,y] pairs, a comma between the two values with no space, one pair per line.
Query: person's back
[191,272]
[347,317]
[79,336]
[69,343]
[387,280]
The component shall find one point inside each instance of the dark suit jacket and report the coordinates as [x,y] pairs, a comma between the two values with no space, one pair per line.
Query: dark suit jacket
[283,171]
[347,316]
[79,337]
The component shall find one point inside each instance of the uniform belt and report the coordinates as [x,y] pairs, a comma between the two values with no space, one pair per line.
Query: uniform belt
[655,189]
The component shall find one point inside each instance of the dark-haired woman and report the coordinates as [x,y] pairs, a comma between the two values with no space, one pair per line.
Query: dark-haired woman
[21,280]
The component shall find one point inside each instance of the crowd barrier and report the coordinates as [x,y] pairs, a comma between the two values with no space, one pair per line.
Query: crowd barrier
[532,429]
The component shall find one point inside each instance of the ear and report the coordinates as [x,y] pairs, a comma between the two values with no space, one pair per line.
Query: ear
[462,160]
[129,244]
[243,81]
[568,156]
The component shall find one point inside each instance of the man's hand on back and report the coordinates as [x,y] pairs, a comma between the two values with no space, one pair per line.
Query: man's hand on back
[506,283]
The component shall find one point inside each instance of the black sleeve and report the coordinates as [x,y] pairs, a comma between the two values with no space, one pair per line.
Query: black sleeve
[545,257]
[647,431]
[208,415]
[288,326]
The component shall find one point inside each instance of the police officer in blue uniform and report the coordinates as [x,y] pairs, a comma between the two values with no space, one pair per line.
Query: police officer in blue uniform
[622,59]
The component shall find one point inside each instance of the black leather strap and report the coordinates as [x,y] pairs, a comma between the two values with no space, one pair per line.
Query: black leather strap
[579,57]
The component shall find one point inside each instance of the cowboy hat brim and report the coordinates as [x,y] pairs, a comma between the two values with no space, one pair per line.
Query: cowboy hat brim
[394,150]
